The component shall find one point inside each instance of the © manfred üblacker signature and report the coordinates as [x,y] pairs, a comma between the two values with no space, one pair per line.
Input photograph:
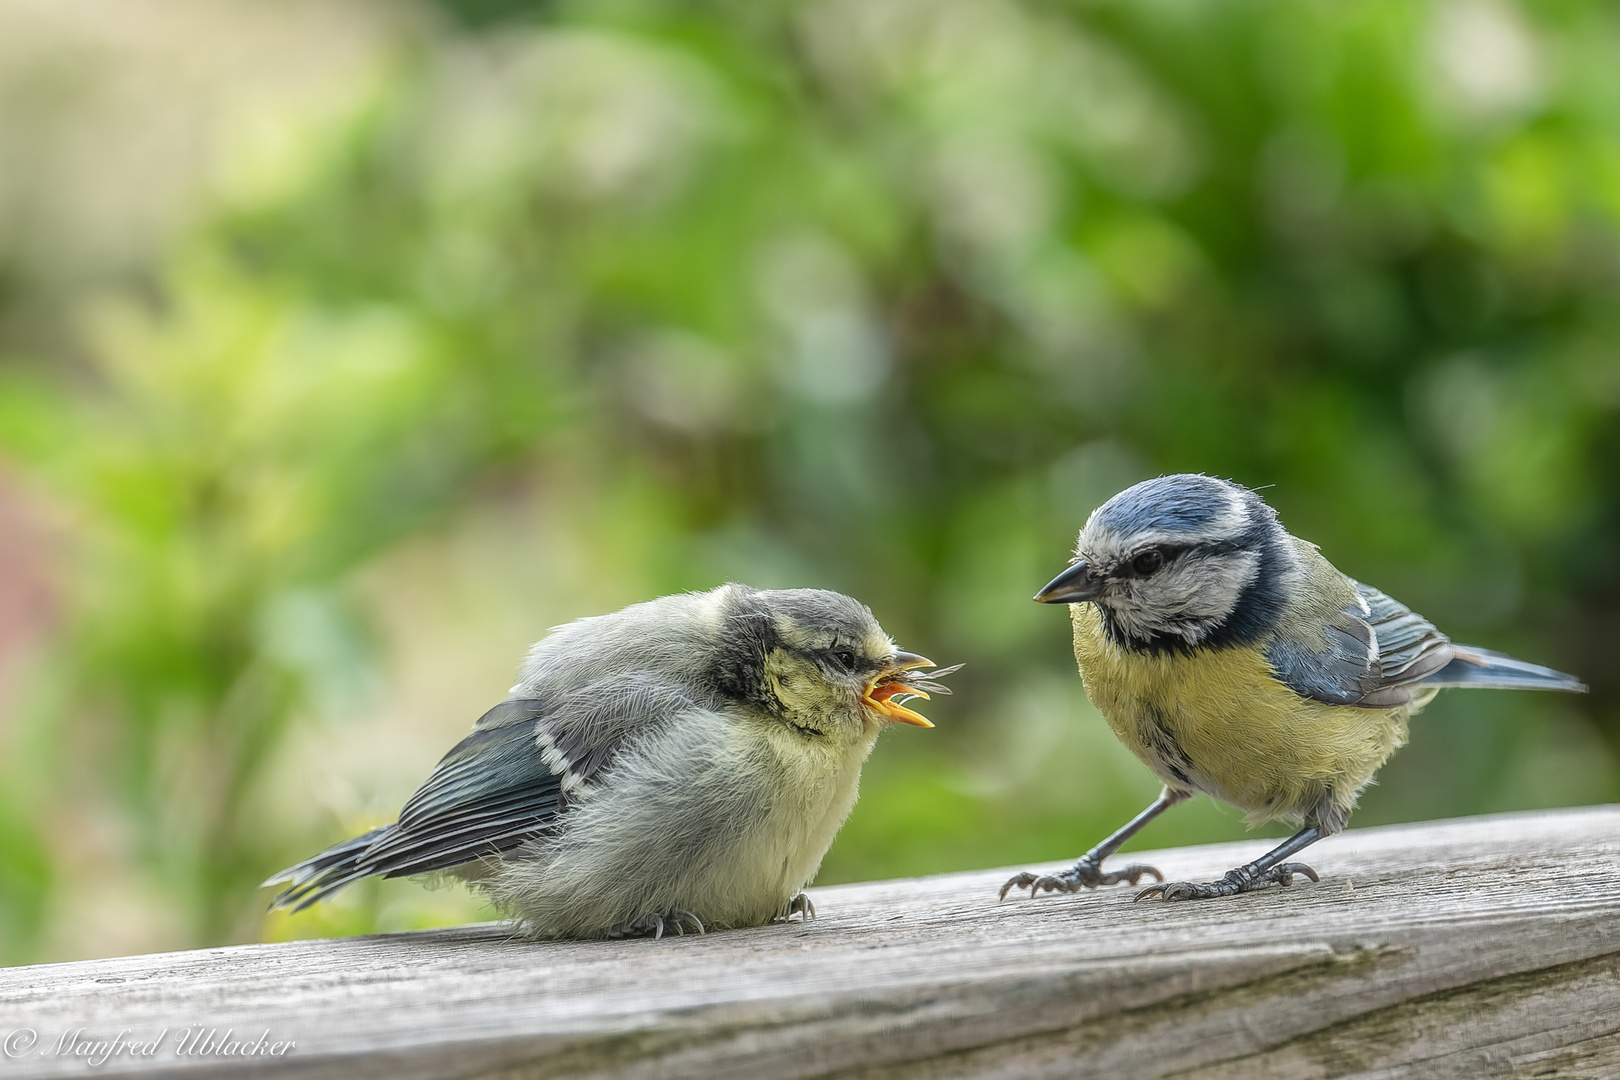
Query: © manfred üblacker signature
[97,1048]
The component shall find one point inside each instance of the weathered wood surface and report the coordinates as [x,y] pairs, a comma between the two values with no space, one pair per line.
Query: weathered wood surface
[1476,948]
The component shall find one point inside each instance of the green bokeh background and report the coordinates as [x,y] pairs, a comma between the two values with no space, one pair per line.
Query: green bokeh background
[539,309]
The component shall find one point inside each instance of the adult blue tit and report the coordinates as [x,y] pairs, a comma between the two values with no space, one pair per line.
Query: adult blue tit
[1234,660]
[681,764]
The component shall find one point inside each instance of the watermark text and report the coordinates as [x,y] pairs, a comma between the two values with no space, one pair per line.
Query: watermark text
[97,1048]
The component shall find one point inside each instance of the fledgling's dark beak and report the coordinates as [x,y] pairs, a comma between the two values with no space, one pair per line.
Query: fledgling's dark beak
[1073,586]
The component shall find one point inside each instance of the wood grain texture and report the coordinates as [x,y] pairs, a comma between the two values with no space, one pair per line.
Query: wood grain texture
[1477,948]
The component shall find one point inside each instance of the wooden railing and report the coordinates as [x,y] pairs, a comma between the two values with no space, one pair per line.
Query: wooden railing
[1474,948]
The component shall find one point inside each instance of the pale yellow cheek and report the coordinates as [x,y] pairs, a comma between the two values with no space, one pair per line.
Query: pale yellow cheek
[805,693]
[798,690]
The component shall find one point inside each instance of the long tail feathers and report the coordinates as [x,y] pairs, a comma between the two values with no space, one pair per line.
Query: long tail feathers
[1474,666]
[321,875]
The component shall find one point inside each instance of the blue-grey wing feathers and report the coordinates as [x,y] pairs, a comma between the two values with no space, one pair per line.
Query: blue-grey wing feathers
[1381,654]
[499,788]
[1377,650]
[492,792]
[1337,676]
[1407,649]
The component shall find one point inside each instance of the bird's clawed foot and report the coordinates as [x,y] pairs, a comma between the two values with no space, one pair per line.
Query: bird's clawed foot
[1243,879]
[801,906]
[1085,874]
[677,920]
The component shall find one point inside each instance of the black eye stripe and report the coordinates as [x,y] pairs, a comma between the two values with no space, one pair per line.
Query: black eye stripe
[1167,554]
[1172,552]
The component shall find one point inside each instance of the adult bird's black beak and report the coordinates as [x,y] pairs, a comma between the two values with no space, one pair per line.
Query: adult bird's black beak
[1073,586]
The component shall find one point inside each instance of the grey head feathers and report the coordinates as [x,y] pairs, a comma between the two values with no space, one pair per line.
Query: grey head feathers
[715,644]
[1187,561]
[773,647]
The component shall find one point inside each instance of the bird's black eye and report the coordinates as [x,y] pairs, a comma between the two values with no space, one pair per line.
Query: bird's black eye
[844,659]
[1147,562]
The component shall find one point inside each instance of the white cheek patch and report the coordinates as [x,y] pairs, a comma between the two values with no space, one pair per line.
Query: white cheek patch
[1188,599]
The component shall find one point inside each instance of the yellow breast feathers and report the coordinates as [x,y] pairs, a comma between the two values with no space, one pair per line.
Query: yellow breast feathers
[1217,721]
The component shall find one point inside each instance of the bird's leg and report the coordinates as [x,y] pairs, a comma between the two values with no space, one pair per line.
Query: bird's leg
[654,923]
[1269,869]
[1087,873]
[801,906]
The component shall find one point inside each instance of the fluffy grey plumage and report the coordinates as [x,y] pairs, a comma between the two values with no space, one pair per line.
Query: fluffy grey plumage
[686,761]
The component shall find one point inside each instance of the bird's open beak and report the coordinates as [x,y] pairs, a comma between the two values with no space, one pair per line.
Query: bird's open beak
[883,689]
[1075,585]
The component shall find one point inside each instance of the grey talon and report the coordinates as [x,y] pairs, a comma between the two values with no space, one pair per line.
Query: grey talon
[800,905]
[1017,881]
[1251,878]
[1084,874]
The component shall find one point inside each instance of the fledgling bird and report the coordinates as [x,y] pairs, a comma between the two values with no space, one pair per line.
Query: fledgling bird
[1234,660]
[683,763]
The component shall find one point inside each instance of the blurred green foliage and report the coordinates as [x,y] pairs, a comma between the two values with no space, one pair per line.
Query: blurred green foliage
[875,295]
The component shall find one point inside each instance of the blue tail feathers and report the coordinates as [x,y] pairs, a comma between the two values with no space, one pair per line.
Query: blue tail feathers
[1473,666]
[319,876]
